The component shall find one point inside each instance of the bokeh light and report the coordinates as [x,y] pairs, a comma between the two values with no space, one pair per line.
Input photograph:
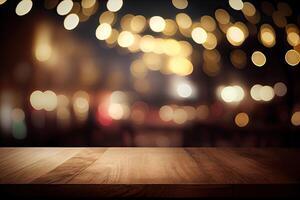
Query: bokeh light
[36,100]
[258,58]
[292,57]
[103,31]
[125,39]
[241,119]
[180,66]
[295,119]
[114,5]
[184,90]
[183,20]
[2,1]
[23,7]
[64,7]
[280,89]
[166,113]
[235,36]
[199,35]
[180,4]
[157,23]
[266,93]
[232,94]
[236,4]
[71,21]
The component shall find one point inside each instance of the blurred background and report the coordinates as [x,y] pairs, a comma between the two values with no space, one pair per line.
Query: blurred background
[149,73]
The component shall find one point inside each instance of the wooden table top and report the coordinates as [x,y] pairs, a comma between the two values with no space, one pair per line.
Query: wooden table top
[158,172]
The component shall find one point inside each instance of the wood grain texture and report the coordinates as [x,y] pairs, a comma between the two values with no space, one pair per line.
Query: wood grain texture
[153,172]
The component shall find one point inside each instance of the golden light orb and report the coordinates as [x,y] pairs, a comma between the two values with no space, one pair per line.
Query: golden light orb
[258,58]
[157,24]
[23,7]
[125,39]
[166,113]
[293,38]
[71,21]
[208,23]
[235,35]
[171,27]
[180,4]
[114,5]
[266,93]
[37,100]
[88,3]
[232,94]
[50,100]
[180,116]
[199,35]
[255,92]
[64,7]
[2,1]
[171,47]
[103,31]
[138,23]
[292,57]
[222,16]
[295,119]
[241,119]
[180,66]
[267,35]
[236,4]
[107,17]
[147,43]
[248,9]
[183,20]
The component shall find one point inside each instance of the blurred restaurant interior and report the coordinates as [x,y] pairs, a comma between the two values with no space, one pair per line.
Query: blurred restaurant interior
[166,73]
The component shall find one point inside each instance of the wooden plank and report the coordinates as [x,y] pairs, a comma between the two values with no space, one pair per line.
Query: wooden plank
[147,165]
[51,159]
[25,157]
[7,153]
[150,172]
[212,166]
[249,169]
[66,171]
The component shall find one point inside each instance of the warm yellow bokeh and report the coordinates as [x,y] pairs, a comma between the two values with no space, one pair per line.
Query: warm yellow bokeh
[258,58]
[241,119]
[292,57]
